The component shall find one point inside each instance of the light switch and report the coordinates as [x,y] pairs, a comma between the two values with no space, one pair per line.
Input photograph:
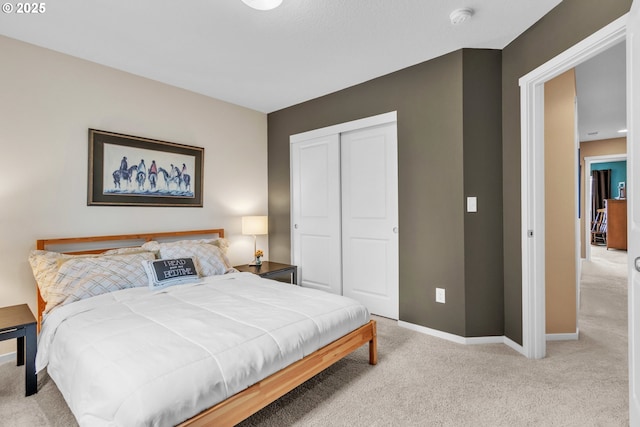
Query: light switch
[472,204]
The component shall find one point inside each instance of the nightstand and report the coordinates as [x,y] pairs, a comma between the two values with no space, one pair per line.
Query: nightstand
[270,269]
[18,322]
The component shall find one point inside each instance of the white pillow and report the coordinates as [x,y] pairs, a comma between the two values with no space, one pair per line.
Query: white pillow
[162,273]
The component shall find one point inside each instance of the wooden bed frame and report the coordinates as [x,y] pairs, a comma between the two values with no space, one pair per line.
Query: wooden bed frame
[249,401]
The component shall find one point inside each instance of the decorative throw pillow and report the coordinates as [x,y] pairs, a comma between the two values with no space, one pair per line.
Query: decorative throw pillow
[167,272]
[84,277]
[208,257]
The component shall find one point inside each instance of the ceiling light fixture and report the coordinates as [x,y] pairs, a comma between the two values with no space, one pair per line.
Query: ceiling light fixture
[622,131]
[262,4]
[459,16]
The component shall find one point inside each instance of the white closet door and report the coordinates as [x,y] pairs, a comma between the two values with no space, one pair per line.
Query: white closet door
[370,218]
[315,180]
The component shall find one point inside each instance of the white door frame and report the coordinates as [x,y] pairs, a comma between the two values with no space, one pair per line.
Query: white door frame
[532,178]
[588,162]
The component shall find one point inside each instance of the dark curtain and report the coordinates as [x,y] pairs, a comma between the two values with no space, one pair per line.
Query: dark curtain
[600,190]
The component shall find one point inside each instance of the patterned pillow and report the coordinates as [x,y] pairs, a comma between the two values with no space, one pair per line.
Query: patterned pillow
[167,272]
[209,258]
[85,277]
[45,266]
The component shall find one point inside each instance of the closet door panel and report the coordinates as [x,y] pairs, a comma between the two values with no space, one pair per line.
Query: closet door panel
[315,180]
[370,218]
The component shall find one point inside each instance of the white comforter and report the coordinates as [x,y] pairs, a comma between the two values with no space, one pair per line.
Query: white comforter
[137,357]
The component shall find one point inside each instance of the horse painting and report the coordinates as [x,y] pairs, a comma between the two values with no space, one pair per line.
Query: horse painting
[168,178]
[129,170]
[153,179]
[186,178]
[141,176]
[176,180]
[124,175]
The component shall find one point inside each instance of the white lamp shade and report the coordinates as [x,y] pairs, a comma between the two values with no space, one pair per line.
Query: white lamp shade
[262,4]
[254,225]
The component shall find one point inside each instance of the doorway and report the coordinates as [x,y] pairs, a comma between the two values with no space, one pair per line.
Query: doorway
[532,170]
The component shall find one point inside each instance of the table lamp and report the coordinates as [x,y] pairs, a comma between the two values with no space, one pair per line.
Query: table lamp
[255,225]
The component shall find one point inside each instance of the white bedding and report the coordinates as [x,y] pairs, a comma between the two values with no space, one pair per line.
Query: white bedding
[137,357]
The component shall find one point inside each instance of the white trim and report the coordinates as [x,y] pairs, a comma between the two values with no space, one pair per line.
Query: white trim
[532,177]
[514,345]
[499,339]
[366,122]
[493,339]
[576,210]
[8,357]
[564,337]
[433,332]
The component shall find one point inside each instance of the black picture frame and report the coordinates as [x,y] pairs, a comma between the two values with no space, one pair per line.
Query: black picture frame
[171,175]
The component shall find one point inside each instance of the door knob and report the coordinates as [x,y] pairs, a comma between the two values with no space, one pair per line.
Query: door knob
[395,230]
[295,226]
[636,263]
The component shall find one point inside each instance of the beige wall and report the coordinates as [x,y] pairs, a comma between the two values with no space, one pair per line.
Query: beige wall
[602,147]
[49,100]
[560,204]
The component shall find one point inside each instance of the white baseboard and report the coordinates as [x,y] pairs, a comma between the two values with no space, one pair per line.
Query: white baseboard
[484,340]
[501,339]
[452,337]
[564,337]
[8,357]
[514,345]
[498,339]
[433,332]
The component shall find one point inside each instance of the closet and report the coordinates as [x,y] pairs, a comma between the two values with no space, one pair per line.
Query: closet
[344,211]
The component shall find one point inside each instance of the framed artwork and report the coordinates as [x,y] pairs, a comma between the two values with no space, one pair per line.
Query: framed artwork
[127,170]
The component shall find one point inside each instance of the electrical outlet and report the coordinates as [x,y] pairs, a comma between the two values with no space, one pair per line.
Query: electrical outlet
[440,295]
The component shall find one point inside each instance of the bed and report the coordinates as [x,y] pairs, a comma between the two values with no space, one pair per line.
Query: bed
[225,345]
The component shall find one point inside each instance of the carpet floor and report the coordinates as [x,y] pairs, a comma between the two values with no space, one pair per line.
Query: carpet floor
[426,381]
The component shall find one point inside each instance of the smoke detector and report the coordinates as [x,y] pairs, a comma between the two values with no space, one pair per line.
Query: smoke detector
[458,16]
[262,4]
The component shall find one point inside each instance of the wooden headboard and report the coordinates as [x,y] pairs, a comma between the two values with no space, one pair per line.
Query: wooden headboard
[99,244]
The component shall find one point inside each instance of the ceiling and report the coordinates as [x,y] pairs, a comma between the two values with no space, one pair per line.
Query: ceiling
[268,60]
[601,95]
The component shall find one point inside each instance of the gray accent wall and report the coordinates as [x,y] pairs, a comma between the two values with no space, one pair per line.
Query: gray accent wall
[567,24]
[482,176]
[449,147]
